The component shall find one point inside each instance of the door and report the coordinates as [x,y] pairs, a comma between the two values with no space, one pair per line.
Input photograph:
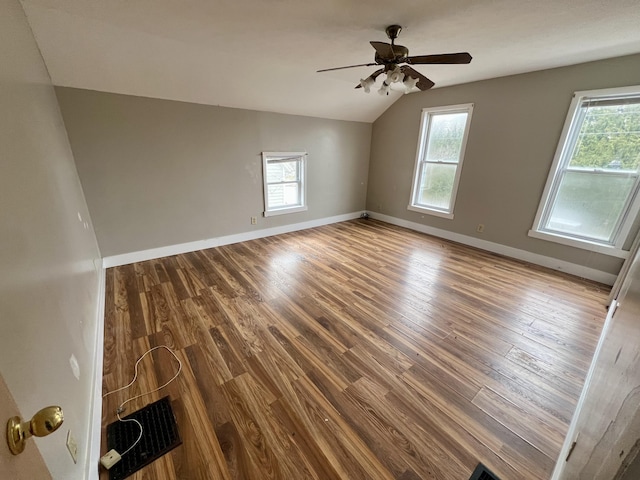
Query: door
[605,432]
[29,464]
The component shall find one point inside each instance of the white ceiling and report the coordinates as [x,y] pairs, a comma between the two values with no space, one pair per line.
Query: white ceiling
[263,54]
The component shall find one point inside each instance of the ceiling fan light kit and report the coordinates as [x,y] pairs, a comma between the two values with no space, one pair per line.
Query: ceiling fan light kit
[409,84]
[390,56]
[366,83]
[395,75]
[384,89]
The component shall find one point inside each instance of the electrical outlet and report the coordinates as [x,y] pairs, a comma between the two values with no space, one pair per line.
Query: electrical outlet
[254,220]
[480,228]
[72,446]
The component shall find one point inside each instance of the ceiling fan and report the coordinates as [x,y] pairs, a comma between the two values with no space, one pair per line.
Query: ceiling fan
[391,56]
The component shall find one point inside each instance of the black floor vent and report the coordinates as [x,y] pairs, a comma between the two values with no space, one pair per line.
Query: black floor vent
[159,435]
[483,473]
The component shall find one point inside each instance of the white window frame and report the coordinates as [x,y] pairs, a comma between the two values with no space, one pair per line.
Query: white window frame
[564,151]
[272,157]
[423,142]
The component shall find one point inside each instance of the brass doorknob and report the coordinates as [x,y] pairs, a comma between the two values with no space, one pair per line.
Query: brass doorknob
[46,421]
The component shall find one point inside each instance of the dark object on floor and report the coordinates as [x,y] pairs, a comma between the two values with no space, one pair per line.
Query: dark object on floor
[483,473]
[159,436]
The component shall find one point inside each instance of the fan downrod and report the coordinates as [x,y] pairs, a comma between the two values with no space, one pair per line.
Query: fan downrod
[393,31]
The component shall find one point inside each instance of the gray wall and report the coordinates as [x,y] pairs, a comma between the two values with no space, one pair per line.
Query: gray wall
[159,172]
[515,129]
[48,282]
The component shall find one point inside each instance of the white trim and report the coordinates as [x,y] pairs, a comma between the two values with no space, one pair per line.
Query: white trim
[277,157]
[429,211]
[611,92]
[535,258]
[94,436]
[142,255]
[584,244]
[283,210]
[572,434]
[555,165]
[425,130]
[285,155]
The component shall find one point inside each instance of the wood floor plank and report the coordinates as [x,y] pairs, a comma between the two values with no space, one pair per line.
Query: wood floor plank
[210,392]
[136,319]
[313,456]
[410,441]
[364,421]
[442,436]
[544,437]
[347,452]
[256,439]
[555,375]
[358,350]
[529,461]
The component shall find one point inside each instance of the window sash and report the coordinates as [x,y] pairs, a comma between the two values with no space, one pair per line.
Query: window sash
[298,177]
[574,122]
[422,161]
[420,187]
[620,219]
[273,207]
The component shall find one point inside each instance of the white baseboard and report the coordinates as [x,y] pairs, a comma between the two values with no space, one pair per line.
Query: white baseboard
[140,256]
[535,258]
[95,409]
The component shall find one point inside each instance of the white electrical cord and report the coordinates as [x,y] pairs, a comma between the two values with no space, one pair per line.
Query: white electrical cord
[120,409]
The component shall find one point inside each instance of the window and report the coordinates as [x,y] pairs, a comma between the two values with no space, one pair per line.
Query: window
[591,197]
[284,182]
[443,137]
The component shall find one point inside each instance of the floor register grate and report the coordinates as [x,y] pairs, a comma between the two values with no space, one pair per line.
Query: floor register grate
[159,436]
[483,473]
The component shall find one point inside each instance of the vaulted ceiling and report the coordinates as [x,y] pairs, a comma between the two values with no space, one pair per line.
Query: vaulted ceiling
[263,54]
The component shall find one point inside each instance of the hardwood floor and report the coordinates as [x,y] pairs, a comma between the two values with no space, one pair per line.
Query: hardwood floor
[358,350]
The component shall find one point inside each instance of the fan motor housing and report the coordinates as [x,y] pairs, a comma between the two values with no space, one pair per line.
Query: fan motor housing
[400,54]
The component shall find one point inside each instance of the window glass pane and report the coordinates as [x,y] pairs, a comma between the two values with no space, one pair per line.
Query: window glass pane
[282,172]
[436,185]
[445,137]
[284,195]
[609,138]
[589,204]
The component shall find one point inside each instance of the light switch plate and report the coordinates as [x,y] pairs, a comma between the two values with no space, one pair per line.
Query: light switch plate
[72,446]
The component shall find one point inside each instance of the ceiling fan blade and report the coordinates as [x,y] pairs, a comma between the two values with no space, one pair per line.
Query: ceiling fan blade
[445,58]
[423,82]
[384,50]
[349,66]
[374,75]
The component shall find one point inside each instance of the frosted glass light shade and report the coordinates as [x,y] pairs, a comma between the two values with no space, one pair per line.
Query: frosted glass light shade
[409,83]
[384,89]
[366,84]
[395,75]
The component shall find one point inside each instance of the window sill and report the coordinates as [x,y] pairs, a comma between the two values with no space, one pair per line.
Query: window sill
[282,211]
[428,211]
[583,244]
